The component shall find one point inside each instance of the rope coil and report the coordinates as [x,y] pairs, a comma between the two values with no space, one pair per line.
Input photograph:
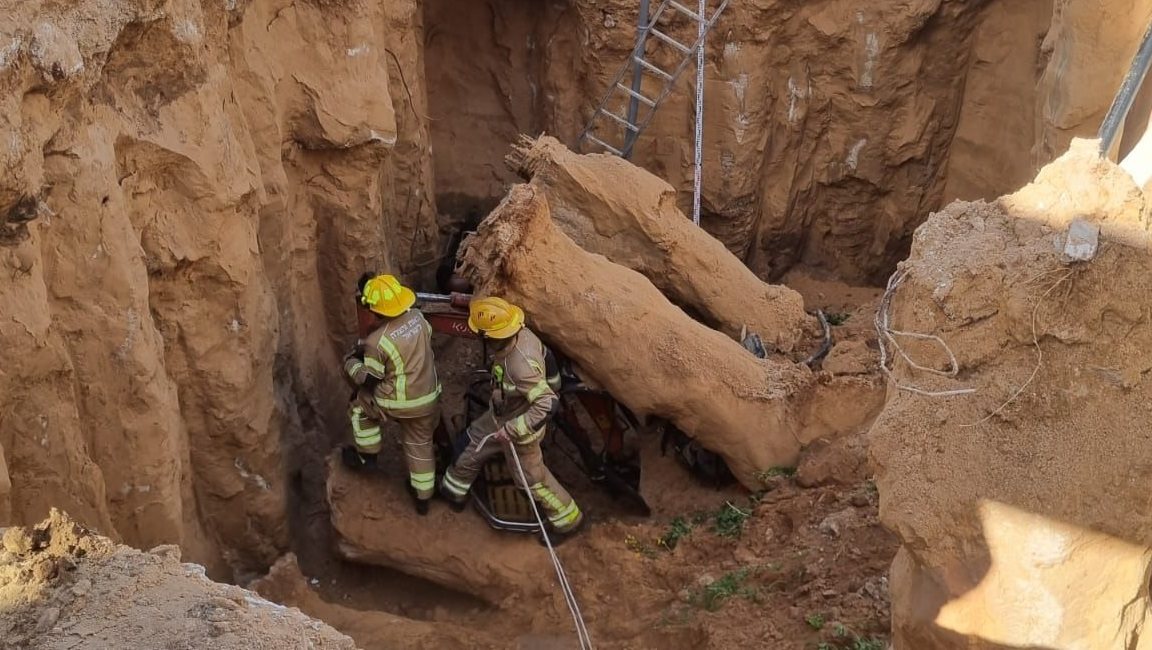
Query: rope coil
[886,336]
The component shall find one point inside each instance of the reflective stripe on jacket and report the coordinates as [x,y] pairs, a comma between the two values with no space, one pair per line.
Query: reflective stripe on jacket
[522,397]
[399,355]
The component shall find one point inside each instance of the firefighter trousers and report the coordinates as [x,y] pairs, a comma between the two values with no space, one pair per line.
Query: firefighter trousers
[415,436]
[559,506]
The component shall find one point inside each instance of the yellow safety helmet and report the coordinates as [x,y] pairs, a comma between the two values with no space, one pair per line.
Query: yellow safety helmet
[495,318]
[385,295]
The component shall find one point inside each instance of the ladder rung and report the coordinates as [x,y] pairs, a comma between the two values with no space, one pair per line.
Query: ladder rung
[636,95]
[614,150]
[651,67]
[684,10]
[669,40]
[628,125]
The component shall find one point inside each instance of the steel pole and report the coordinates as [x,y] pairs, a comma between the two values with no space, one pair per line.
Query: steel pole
[637,79]
[1110,129]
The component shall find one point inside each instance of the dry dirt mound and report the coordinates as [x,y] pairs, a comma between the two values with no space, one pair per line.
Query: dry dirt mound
[62,586]
[1023,506]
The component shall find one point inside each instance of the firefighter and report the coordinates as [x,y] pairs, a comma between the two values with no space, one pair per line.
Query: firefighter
[522,402]
[395,376]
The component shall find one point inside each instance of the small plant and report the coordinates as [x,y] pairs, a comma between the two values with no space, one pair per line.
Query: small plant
[840,631]
[728,585]
[774,472]
[729,521]
[815,621]
[838,318]
[637,546]
[678,529]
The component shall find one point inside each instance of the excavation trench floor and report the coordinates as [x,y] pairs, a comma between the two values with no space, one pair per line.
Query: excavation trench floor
[793,567]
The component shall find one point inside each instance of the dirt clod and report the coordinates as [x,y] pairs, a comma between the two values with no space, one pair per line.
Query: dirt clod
[842,461]
[17,541]
[74,583]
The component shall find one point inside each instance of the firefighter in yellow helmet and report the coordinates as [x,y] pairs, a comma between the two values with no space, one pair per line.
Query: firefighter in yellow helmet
[522,402]
[396,378]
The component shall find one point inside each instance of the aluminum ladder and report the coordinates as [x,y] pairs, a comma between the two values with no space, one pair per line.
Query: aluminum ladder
[616,133]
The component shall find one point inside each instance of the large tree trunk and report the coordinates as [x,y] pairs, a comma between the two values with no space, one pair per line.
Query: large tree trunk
[375,524]
[643,349]
[611,207]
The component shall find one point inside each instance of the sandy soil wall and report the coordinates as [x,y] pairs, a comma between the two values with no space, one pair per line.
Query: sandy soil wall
[831,129]
[189,189]
[816,113]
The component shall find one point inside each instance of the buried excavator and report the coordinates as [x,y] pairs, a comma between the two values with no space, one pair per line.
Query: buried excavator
[596,433]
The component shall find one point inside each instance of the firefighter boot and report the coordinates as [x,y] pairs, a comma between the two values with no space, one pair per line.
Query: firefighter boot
[357,460]
[556,537]
[456,503]
[421,505]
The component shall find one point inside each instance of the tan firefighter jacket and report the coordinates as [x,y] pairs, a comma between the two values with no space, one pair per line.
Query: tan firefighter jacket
[398,368]
[523,395]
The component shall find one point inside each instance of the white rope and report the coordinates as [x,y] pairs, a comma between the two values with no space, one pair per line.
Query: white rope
[887,336]
[565,587]
[698,162]
[1039,356]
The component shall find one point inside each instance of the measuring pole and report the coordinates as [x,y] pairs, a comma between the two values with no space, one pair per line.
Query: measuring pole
[698,162]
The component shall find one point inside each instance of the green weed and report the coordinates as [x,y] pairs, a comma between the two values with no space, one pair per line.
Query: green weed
[842,632]
[815,621]
[637,546]
[763,475]
[729,521]
[678,529]
[725,587]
